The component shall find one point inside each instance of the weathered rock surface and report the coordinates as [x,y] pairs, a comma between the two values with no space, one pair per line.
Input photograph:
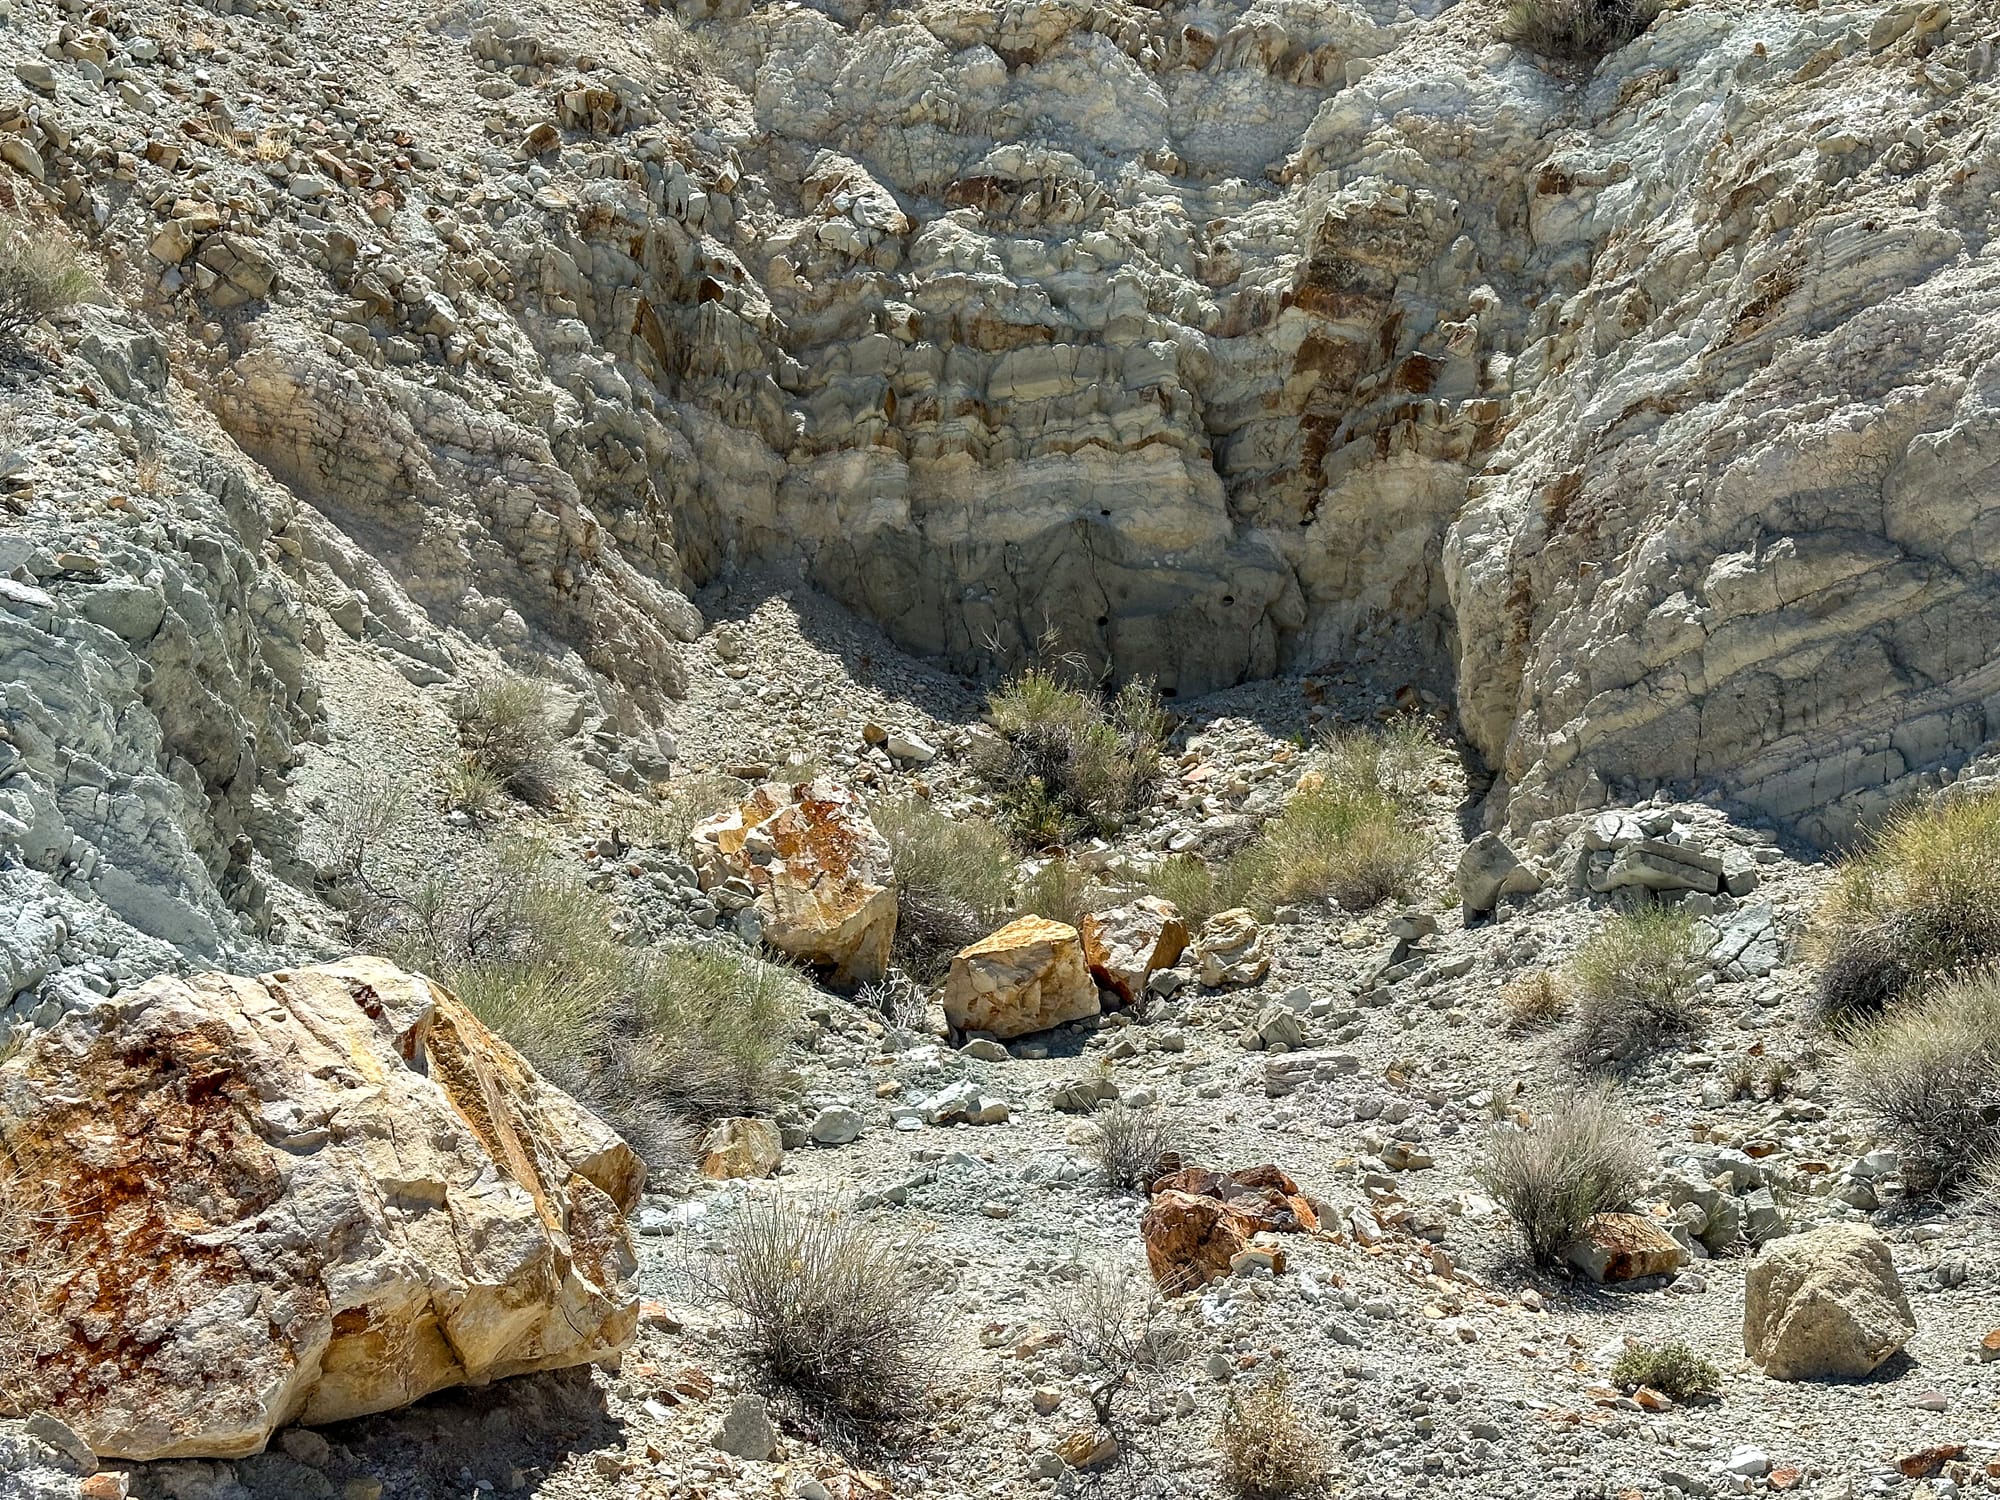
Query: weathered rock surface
[305,1197]
[1028,976]
[818,872]
[1231,950]
[741,1148]
[1624,1247]
[1123,946]
[1826,1304]
[1191,1239]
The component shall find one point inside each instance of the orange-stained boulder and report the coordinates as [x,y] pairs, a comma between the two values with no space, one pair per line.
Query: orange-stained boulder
[1125,945]
[1264,1195]
[1026,977]
[819,874]
[1191,1240]
[1624,1247]
[308,1196]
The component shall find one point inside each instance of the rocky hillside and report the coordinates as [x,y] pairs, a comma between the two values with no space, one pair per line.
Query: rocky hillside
[763,384]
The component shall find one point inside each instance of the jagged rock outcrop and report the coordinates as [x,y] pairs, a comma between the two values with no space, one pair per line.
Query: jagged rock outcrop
[304,1197]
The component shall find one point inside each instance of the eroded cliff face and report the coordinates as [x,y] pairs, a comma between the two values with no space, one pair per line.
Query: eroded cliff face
[1653,414]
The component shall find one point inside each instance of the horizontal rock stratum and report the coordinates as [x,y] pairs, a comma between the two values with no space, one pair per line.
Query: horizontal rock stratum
[305,1197]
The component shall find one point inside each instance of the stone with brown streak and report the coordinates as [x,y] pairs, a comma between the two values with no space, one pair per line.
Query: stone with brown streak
[303,1197]
[1123,946]
[1028,976]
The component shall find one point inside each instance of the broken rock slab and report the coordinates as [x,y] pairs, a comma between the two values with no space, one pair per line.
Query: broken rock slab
[819,873]
[302,1197]
[1028,976]
[1123,947]
[1624,1247]
[1231,950]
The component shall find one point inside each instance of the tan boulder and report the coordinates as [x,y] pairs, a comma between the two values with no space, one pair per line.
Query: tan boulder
[741,1148]
[1192,1239]
[818,873]
[1123,946]
[303,1197]
[1624,1247]
[1825,1304]
[1028,976]
[1231,950]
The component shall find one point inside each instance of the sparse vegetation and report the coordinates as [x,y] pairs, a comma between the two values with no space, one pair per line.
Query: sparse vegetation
[1347,833]
[954,881]
[503,725]
[1922,903]
[469,787]
[1579,1159]
[1061,891]
[40,276]
[838,1312]
[1673,1369]
[1576,30]
[1929,1072]
[1066,762]
[29,1234]
[1130,1144]
[1268,1446]
[1534,1001]
[646,1037]
[1634,983]
[1117,1325]
[670,819]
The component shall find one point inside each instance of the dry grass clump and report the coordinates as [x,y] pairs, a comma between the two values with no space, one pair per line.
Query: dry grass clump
[1198,889]
[954,881]
[504,729]
[671,817]
[1673,1369]
[1348,833]
[1634,983]
[839,1312]
[1921,903]
[40,275]
[1929,1072]
[1533,1001]
[1061,891]
[1576,30]
[1268,1446]
[651,1039]
[1068,763]
[1130,1143]
[1581,1158]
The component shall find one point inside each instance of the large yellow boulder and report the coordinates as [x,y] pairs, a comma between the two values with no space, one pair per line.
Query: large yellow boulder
[816,870]
[302,1197]
[1028,976]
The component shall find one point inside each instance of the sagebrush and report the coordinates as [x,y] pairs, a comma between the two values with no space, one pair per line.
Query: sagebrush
[1921,903]
[838,1310]
[1269,1449]
[1634,983]
[1929,1073]
[1121,1332]
[1581,1157]
[1533,1001]
[504,728]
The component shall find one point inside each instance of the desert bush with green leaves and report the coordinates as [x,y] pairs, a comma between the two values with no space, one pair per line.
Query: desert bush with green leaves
[1921,903]
[1066,762]
[1578,1158]
[1673,1369]
[1633,983]
[1928,1071]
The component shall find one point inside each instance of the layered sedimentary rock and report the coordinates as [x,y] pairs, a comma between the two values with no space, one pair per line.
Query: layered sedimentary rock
[304,1197]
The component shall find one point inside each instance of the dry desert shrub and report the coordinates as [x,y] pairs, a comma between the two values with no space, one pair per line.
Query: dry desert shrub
[504,730]
[1269,1448]
[1066,762]
[1534,1001]
[1634,983]
[1130,1143]
[1929,1072]
[40,275]
[1579,1159]
[954,881]
[1583,31]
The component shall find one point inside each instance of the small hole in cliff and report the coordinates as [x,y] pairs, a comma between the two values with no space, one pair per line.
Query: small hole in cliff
[1228,598]
[1103,620]
[1104,512]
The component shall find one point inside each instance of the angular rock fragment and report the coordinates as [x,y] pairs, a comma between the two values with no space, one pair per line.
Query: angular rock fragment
[741,1148]
[1826,1304]
[1124,946]
[1624,1247]
[1231,950]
